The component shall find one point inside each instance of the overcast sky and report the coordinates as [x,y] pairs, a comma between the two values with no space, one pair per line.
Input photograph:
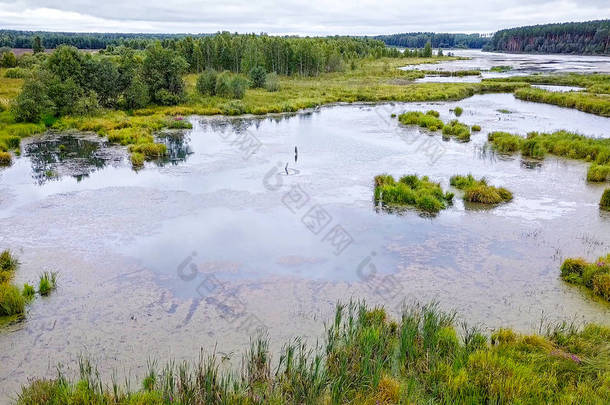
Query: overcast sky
[311,17]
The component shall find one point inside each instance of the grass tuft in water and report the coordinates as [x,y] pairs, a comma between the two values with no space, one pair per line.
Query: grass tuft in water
[47,282]
[475,128]
[428,120]
[456,129]
[478,191]
[458,111]
[604,203]
[594,276]
[412,190]
[5,159]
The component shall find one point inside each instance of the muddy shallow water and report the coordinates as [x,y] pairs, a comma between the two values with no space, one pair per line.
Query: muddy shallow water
[233,234]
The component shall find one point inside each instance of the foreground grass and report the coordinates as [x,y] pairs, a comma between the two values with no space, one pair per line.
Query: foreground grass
[411,190]
[560,143]
[478,191]
[594,276]
[368,358]
[371,80]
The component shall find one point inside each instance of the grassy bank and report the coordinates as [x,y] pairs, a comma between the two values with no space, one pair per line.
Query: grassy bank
[595,100]
[370,80]
[413,191]
[594,276]
[478,191]
[368,358]
[560,143]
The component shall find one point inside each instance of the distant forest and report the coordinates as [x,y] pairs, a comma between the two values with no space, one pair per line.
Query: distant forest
[591,37]
[419,39]
[82,40]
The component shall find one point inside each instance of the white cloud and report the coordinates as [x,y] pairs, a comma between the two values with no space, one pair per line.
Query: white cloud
[311,17]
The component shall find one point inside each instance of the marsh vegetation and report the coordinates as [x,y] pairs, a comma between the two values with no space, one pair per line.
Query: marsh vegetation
[368,358]
[430,120]
[478,191]
[411,190]
[594,276]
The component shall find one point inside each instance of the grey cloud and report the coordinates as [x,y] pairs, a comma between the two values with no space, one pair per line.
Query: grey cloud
[293,16]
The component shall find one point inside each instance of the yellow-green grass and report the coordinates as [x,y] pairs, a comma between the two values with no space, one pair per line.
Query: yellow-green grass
[598,104]
[369,358]
[12,301]
[594,276]
[478,191]
[413,191]
[430,120]
[560,143]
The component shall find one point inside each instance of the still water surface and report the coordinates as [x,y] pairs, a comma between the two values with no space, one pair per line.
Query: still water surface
[234,231]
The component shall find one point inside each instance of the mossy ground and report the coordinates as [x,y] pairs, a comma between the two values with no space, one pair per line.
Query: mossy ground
[369,358]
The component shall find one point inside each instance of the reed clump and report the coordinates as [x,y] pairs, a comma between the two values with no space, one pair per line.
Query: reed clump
[604,203]
[478,191]
[411,190]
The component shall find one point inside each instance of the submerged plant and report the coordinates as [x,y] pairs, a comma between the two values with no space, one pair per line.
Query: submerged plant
[478,191]
[413,191]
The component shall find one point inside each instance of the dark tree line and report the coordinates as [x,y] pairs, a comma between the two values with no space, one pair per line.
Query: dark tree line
[25,39]
[419,40]
[591,37]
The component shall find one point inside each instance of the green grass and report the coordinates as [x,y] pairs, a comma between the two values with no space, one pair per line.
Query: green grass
[598,104]
[428,120]
[594,276]
[47,282]
[368,358]
[604,202]
[412,190]
[478,191]
[457,130]
[455,73]
[501,68]
[475,128]
[560,143]
[458,111]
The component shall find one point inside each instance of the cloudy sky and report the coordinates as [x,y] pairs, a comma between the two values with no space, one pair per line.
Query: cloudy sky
[312,17]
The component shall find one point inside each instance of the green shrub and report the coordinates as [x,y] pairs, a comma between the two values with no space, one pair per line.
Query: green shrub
[598,173]
[272,84]
[223,85]
[17,73]
[258,77]
[604,203]
[412,190]
[206,82]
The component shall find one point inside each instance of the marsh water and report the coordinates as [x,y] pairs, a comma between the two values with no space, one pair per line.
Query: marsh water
[264,223]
